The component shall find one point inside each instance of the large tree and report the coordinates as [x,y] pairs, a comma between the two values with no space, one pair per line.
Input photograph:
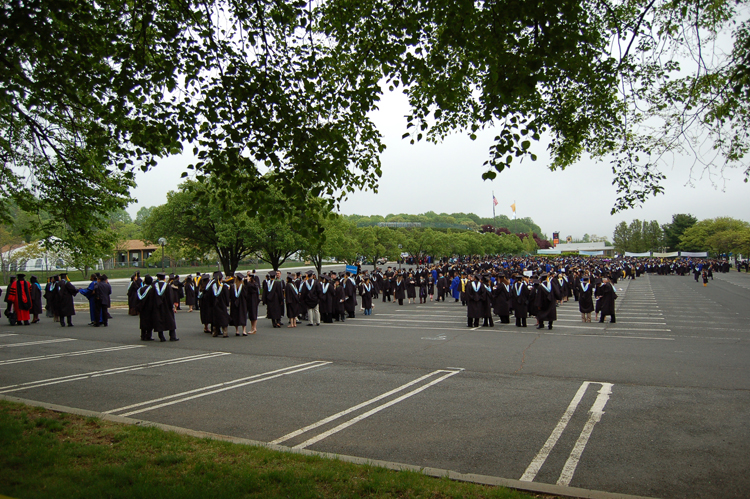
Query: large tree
[632,81]
[712,234]
[93,91]
[674,230]
[192,219]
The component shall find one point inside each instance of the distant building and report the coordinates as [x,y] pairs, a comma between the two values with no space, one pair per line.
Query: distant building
[592,249]
[133,253]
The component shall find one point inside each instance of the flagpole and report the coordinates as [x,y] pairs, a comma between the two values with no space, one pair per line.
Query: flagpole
[494,219]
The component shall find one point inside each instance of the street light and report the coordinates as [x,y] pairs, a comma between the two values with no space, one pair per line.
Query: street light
[162,241]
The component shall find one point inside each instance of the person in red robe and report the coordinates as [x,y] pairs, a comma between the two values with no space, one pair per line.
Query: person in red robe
[22,300]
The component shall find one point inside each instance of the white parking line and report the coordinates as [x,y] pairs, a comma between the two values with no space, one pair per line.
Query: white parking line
[8,334]
[221,387]
[68,354]
[597,410]
[352,409]
[29,343]
[369,413]
[107,372]
[572,462]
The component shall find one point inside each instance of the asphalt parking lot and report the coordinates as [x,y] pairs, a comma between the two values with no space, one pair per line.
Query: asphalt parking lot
[655,405]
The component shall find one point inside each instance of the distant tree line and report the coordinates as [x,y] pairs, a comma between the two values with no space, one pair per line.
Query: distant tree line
[718,236]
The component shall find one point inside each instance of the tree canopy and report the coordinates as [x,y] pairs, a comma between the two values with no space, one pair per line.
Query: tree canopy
[634,81]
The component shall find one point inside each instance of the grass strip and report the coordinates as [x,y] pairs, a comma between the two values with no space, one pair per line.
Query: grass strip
[50,454]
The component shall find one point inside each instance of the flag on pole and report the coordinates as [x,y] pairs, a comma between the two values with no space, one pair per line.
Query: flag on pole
[513,207]
[494,200]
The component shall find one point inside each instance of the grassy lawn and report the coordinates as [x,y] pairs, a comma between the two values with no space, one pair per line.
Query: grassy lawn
[50,454]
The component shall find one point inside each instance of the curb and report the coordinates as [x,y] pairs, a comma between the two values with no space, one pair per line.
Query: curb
[539,488]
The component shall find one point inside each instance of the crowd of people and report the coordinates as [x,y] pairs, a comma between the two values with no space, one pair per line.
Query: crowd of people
[523,287]
[24,299]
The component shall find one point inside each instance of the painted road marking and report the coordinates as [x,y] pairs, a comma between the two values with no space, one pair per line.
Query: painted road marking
[355,408]
[69,354]
[29,343]
[107,372]
[596,412]
[570,465]
[217,388]
[369,413]
[8,334]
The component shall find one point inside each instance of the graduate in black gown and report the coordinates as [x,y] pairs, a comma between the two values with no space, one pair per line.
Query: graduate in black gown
[273,298]
[253,300]
[220,299]
[238,291]
[146,296]
[365,293]
[165,307]
[585,299]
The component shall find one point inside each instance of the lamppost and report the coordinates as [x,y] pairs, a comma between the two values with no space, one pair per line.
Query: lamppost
[162,241]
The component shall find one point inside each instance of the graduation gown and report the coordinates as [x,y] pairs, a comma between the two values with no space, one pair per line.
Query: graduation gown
[309,293]
[520,293]
[66,292]
[607,297]
[292,300]
[411,287]
[238,304]
[475,297]
[253,299]
[164,298]
[501,298]
[399,289]
[365,291]
[350,292]
[546,303]
[339,299]
[220,303]
[205,297]
[36,299]
[326,298]
[190,294]
[585,298]
[273,297]
[132,292]
[148,314]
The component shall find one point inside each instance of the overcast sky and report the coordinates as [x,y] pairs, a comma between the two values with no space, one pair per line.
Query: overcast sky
[448,178]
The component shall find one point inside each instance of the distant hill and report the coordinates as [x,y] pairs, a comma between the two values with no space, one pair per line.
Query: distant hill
[452,221]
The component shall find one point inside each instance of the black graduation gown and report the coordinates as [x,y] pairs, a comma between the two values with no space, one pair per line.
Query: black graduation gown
[585,298]
[165,299]
[51,295]
[411,287]
[546,303]
[206,300]
[190,294]
[238,304]
[350,292]
[309,296]
[220,302]
[253,299]
[399,289]
[66,292]
[339,300]
[475,297]
[292,300]
[326,298]
[36,300]
[501,297]
[274,299]
[607,297]
[520,292]
[365,291]
[147,309]
[132,293]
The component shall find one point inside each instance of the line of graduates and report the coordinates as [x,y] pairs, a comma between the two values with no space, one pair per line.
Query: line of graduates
[24,299]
